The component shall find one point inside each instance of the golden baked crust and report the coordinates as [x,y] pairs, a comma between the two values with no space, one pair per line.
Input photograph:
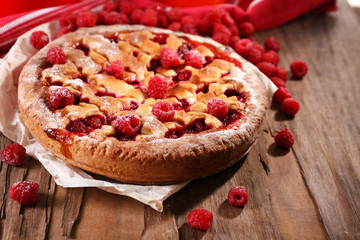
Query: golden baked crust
[150,159]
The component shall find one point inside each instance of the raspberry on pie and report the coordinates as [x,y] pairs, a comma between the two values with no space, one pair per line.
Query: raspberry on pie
[157,116]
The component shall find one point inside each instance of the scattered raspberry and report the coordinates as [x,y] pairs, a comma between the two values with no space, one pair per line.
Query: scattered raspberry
[136,16]
[200,219]
[190,28]
[76,126]
[280,73]
[239,14]
[218,108]
[234,30]
[187,19]
[162,20]
[298,68]
[93,122]
[290,107]
[68,21]
[110,6]
[39,39]
[13,154]
[233,41]
[258,47]
[127,125]
[174,14]
[246,29]
[61,97]
[227,19]
[101,16]
[272,43]
[222,38]
[271,57]
[214,15]
[169,58]
[184,75]
[193,58]
[149,18]
[175,26]
[221,28]
[266,68]
[238,196]
[281,94]
[278,81]
[24,192]
[86,19]
[126,7]
[163,110]
[284,138]
[254,56]
[115,18]
[158,87]
[116,68]
[243,47]
[56,55]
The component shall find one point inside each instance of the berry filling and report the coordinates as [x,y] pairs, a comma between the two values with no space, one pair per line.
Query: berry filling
[241,96]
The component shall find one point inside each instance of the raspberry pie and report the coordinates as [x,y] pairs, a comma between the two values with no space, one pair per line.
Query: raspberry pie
[142,105]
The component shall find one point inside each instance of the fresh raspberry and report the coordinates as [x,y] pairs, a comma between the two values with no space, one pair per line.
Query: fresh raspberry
[200,219]
[234,30]
[56,55]
[193,58]
[110,6]
[169,58]
[86,19]
[246,29]
[184,75]
[126,7]
[149,18]
[266,68]
[68,21]
[61,97]
[298,68]
[281,94]
[258,46]
[39,39]
[254,56]
[115,18]
[175,26]
[238,196]
[243,47]
[61,32]
[162,20]
[221,38]
[186,19]
[158,87]
[233,41]
[290,106]
[239,14]
[163,110]
[24,192]
[101,16]
[93,122]
[116,68]
[281,73]
[136,16]
[284,138]
[76,126]
[127,125]
[272,43]
[218,108]
[190,28]
[174,14]
[278,81]
[214,15]
[221,28]
[227,19]
[13,154]
[271,57]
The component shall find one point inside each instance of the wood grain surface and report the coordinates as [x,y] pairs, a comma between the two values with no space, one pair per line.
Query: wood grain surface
[311,191]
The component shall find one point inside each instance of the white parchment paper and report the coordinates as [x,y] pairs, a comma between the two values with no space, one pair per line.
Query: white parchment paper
[63,173]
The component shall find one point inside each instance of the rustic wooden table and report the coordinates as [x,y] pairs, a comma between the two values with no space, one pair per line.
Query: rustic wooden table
[309,192]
